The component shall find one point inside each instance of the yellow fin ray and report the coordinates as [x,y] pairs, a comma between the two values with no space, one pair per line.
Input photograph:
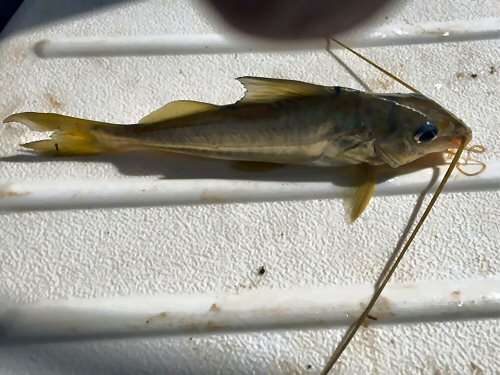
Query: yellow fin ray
[263,90]
[64,144]
[72,136]
[176,109]
[51,121]
[363,194]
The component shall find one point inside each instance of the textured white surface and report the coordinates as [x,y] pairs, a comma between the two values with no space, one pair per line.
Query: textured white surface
[219,248]
[261,309]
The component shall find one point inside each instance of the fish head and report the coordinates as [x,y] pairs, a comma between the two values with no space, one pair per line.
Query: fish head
[418,126]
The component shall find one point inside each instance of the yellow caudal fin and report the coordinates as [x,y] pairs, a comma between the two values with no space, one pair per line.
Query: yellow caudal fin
[62,144]
[72,136]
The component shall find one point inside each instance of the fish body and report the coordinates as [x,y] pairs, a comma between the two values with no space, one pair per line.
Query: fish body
[278,121]
[323,130]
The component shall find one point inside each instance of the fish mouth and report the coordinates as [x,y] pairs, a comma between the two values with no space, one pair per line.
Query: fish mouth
[456,142]
[464,135]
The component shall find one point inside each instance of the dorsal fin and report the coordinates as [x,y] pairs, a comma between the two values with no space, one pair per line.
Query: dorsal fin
[261,89]
[176,109]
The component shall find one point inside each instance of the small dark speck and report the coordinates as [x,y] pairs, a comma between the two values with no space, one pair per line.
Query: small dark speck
[281,234]
[206,47]
[309,367]
[371,317]
[473,75]
[262,270]
[493,70]
[57,146]
[456,294]
[386,17]
[190,338]
[214,308]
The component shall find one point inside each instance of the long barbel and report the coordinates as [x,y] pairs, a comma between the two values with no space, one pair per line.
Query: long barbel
[387,276]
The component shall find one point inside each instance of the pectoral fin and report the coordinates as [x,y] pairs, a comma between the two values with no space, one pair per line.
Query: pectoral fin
[363,194]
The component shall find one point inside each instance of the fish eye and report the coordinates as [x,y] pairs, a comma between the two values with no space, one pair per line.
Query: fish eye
[426,133]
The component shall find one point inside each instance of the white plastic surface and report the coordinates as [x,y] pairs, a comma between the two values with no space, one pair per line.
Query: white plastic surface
[262,309]
[52,195]
[218,249]
[392,35]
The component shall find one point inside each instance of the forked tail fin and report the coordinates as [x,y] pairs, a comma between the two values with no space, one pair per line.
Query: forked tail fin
[72,136]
